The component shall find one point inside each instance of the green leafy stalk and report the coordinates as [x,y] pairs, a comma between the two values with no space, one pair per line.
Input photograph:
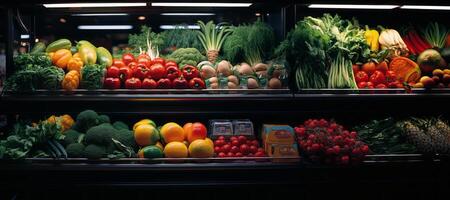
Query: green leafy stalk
[212,36]
[436,34]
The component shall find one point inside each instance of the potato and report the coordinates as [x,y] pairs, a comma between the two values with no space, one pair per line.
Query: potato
[275,83]
[260,67]
[224,67]
[207,71]
[233,79]
[232,85]
[245,69]
[214,86]
[213,80]
[252,83]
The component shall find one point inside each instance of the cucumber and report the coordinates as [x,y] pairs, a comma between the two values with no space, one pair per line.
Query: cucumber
[104,57]
[59,44]
[38,48]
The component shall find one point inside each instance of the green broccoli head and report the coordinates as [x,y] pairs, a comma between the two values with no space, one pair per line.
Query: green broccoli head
[103,119]
[71,136]
[126,137]
[119,125]
[100,135]
[86,120]
[93,151]
[75,150]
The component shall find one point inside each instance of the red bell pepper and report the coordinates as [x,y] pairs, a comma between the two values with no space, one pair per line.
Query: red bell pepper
[180,83]
[164,83]
[125,73]
[367,85]
[127,58]
[190,72]
[133,83]
[197,83]
[170,63]
[113,72]
[140,71]
[118,63]
[159,60]
[173,72]
[112,83]
[157,71]
[149,83]
[132,65]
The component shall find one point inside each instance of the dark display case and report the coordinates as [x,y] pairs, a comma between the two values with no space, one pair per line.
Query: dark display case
[378,176]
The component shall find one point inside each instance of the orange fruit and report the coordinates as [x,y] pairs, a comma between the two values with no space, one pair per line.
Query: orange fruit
[172,132]
[144,121]
[176,150]
[201,149]
[195,131]
[146,135]
[210,142]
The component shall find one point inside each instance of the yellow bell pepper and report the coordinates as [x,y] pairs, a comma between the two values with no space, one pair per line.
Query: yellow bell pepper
[372,39]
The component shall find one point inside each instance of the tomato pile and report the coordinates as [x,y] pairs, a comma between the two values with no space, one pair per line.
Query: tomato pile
[372,75]
[239,146]
[142,72]
[323,141]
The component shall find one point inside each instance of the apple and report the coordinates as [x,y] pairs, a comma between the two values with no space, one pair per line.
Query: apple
[235,143]
[242,139]
[427,81]
[253,149]
[226,148]
[245,149]
[217,149]
[255,143]
[234,149]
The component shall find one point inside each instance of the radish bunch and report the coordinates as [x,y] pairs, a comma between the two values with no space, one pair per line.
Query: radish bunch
[323,141]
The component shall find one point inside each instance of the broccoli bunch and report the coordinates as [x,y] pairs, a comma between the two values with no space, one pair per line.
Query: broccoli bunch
[187,56]
[102,139]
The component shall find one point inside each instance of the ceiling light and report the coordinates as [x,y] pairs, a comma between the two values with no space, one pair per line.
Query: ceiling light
[188,14]
[62,20]
[142,18]
[257,14]
[351,6]
[166,27]
[26,36]
[418,7]
[99,14]
[105,27]
[36,40]
[202,4]
[92,5]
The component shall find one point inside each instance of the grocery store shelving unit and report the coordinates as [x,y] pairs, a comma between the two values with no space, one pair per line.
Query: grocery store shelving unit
[401,172]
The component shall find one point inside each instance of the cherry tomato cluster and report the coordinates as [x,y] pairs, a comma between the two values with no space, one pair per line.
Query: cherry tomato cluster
[239,146]
[323,141]
[372,75]
[142,72]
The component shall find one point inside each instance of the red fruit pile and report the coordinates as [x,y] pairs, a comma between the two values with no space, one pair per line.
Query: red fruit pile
[375,75]
[144,73]
[325,141]
[237,146]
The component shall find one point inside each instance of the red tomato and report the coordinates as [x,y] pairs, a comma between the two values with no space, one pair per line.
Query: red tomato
[221,137]
[239,154]
[253,149]
[234,149]
[113,72]
[118,63]
[157,71]
[235,143]
[242,139]
[127,58]
[222,155]
[229,154]
[159,60]
[369,68]
[233,138]
[145,61]
[356,68]
[391,76]
[255,143]
[170,63]
[132,65]
[377,78]
[381,86]
[217,149]
[143,55]
[365,85]
[245,149]
[226,148]
[361,76]
[148,83]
